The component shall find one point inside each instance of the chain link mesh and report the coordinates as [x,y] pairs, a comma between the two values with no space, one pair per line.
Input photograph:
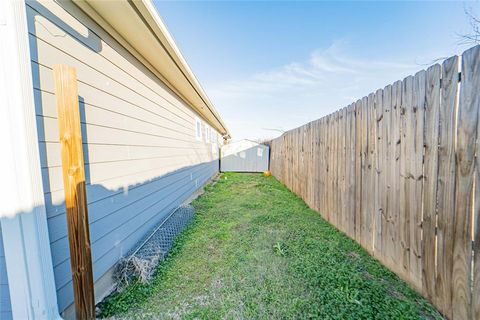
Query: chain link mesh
[141,263]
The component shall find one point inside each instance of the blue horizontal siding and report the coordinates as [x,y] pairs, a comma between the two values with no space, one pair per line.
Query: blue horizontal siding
[117,200]
[132,225]
[5,306]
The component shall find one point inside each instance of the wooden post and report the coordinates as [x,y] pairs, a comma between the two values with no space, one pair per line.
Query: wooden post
[74,185]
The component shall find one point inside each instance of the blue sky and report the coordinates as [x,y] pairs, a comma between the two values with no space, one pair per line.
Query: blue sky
[278,65]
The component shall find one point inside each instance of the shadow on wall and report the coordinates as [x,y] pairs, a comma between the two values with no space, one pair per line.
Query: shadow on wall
[122,212]
[118,220]
[89,40]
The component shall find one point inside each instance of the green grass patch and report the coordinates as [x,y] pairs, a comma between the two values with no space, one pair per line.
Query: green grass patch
[256,251]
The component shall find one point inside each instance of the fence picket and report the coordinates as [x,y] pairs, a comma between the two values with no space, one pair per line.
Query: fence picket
[343,157]
[388,154]
[366,236]
[446,184]
[378,175]
[371,171]
[465,155]
[416,178]
[352,168]
[471,79]
[406,133]
[336,179]
[396,186]
[432,110]
[358,171]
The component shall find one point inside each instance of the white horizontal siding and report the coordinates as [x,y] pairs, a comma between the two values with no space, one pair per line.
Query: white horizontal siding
[141,156]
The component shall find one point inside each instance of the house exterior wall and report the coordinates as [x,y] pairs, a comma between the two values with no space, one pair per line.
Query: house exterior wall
[142,156]
[5,307]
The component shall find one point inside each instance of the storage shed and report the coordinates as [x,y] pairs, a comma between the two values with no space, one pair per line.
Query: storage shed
[244,156]
[151,138]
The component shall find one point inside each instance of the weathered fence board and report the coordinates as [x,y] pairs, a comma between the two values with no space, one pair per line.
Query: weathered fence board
[432,110]
[351,163]
[471,95]
[389,159]
[378,173]
[465,155]
[358,171]
[342,196]
[416,178]
[365,218]
[446,184]
[398,172]
[398,264]
[405,159]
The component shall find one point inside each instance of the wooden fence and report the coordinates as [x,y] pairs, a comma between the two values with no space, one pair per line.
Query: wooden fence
[397,171]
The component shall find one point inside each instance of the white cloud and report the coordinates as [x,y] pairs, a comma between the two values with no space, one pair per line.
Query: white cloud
[297,92]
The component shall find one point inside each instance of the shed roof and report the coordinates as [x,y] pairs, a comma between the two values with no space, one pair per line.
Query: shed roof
[137,25]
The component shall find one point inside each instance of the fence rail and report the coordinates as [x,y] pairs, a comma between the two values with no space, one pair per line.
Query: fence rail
[397,171]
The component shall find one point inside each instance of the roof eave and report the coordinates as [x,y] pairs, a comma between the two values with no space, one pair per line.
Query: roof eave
[137,25]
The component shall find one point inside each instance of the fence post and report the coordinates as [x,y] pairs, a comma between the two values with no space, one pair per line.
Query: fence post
[74,185]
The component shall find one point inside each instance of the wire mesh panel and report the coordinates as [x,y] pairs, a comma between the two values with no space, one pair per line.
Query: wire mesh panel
[141,263]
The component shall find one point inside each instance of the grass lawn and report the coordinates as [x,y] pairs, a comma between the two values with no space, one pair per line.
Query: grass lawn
[256,251]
